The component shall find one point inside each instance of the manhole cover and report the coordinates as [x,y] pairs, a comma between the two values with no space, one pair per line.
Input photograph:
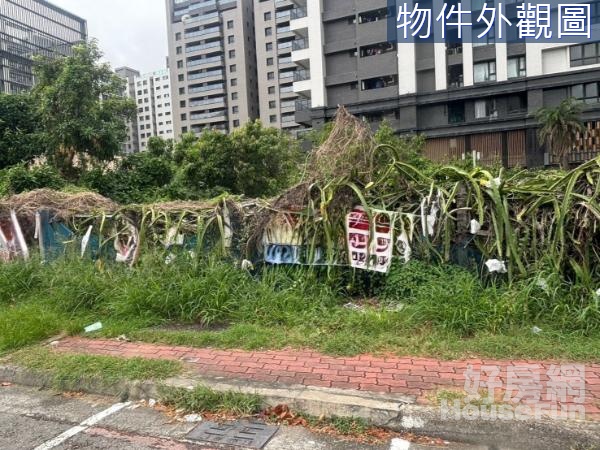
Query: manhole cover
[242,433]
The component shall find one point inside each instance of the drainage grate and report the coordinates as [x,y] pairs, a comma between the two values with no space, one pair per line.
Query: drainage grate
[241,433]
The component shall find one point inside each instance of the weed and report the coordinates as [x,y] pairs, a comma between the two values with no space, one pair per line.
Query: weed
[202,399]
[67,370]
[424,309]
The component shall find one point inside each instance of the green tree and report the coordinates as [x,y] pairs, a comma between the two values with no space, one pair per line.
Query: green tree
[137,178]
[81,108]
[560,126]
[21,137]
[254,161]
[160,147]
[266,160]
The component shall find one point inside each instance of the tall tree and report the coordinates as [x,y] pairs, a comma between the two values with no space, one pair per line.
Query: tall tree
[266,159]
[21,137]
[81,107]
[560,126]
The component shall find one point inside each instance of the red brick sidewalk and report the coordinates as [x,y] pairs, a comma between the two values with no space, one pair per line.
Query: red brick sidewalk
[419,377]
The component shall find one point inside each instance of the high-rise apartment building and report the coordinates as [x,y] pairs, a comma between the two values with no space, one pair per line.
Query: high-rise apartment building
[29,28]
[276,70]
[466,96]
[132,144]
[213,64]
[154,106]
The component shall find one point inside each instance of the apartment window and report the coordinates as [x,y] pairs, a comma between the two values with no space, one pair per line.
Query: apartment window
[586,54]
[456,112]
[273,119]
[234,96]
[486,109]
[485,71]
[230,24]
[184,129]
[231,54]
[271,76]
[233,82]
[235,109]
[588,92]
[181,91]
[268,31]
[177,36]
[147,108]
[179,66]
[373,16]
[231,39]
[139,92]
[184,116]
[269,46]
[271,90]
[232,68]
[182,103]
[517,67]
[272,104]
[180,77]
[517,103]
[269,61]
[268,15]
[379,82]
[372,50]
[236,123]
[487,39]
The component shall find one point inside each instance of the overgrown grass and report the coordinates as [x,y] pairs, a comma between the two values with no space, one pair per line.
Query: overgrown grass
[67,370]
[202,399]
[423,309]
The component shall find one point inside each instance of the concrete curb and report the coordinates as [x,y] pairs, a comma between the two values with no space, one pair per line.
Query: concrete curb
[395,412]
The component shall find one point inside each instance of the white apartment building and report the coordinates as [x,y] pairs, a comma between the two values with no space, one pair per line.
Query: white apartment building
[154,106]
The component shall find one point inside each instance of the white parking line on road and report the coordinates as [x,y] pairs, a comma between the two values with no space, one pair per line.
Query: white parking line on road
[82,426]
[400,444]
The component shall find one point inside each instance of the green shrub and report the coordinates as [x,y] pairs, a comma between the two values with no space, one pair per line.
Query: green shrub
[20,178]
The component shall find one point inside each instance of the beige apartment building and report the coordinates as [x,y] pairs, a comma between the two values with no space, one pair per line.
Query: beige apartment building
[213,64]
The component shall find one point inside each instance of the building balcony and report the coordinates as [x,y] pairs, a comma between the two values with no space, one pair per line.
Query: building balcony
[205,33]
[303,87]
[204,19]
[301,75]
[215,102]
[206,62]
[208,89]
[211,75]
[287,91]
[199,49]
[209,117]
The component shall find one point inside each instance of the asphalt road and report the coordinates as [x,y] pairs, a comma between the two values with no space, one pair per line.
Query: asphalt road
[42,420]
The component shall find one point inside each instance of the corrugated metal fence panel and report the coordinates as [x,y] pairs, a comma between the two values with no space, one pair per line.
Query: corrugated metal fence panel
[517,144]
[489,147]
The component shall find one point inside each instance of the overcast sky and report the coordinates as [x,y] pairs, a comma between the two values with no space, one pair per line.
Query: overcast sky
[130,32]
